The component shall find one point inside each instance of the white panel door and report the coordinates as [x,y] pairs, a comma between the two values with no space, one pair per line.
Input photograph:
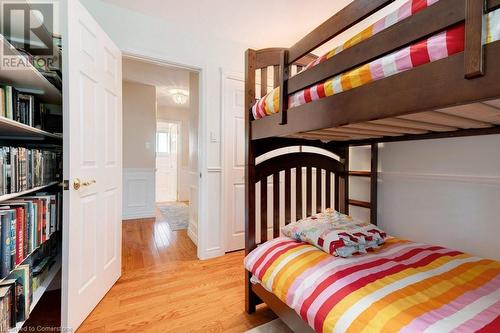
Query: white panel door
[234,163]
[93,154]
[167,161]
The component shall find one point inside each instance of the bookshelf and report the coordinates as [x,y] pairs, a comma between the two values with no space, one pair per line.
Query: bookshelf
[12,129]
[18,194]
[28,80]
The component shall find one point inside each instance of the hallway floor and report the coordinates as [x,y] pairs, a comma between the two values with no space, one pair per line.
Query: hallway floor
[165,288]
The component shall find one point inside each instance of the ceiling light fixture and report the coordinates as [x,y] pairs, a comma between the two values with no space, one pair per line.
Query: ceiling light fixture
[180,96]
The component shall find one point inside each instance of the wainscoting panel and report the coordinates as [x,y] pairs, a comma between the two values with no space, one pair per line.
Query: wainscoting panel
[138,193]
[193,178]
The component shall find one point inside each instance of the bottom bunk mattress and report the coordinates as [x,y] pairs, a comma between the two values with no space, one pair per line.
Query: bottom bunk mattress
[400,287]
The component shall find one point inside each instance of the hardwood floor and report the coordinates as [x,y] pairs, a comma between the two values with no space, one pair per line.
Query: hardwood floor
[165,288]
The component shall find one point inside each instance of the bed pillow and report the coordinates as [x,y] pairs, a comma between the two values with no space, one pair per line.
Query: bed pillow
[336,233]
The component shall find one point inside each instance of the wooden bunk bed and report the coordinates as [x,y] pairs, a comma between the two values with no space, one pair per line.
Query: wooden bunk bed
[441,99]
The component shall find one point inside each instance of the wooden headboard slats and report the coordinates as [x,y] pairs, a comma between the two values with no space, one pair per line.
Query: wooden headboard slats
[298,195]
[263,81]
[308,191]
[276,204]
[276,76]
[337,193]
[263,211]
[319,186]
[288,195]
[328,186]
[303,165]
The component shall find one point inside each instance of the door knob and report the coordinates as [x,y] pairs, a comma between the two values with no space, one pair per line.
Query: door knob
[89,182]
[77,183]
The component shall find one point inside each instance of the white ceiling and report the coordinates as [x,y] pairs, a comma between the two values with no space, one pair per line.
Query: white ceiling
[280,22]
[164,78]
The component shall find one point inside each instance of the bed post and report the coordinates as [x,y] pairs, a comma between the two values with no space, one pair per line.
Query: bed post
[284,75]
[251,299]
[373,183]
[342,188]
[473,55]
[346,180]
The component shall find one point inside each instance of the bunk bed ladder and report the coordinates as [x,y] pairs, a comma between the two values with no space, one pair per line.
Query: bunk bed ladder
[373,175]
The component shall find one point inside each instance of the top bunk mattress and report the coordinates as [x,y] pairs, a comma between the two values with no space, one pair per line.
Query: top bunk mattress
[436,47]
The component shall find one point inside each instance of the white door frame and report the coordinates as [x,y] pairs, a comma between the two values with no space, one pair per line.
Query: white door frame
[179,145]
[203,227]
[224,216]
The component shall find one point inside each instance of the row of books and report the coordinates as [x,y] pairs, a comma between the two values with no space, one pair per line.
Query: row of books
[25,224]
[20,106]
[22,169]
[27,109]
[16,292]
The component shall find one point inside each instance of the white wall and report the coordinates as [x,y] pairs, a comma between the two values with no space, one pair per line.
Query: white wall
[139,130]
[444,192]
[139,125]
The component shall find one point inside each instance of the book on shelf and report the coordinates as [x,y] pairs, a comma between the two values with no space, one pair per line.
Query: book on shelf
[22,169]
[2,102]
[16,291]
[27,109]
[8,301]
[23,291]
[8,234]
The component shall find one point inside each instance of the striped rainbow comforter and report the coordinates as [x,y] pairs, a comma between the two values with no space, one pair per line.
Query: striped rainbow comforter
[439,46]
[400,287]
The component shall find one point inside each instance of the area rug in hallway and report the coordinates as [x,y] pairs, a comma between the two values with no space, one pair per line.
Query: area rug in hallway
[176,214]
[275,326]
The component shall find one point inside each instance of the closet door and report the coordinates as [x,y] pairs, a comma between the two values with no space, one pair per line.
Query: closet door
[92,165]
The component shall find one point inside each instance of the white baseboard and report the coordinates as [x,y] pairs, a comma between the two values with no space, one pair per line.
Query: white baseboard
[138,193]
[139,215]
[212,253]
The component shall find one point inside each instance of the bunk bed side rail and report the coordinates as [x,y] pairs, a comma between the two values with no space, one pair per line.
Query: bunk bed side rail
[492,4]
[355,12]
[439,16]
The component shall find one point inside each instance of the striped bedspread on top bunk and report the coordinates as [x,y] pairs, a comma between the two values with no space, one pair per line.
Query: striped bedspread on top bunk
[439,46]
[400,287]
